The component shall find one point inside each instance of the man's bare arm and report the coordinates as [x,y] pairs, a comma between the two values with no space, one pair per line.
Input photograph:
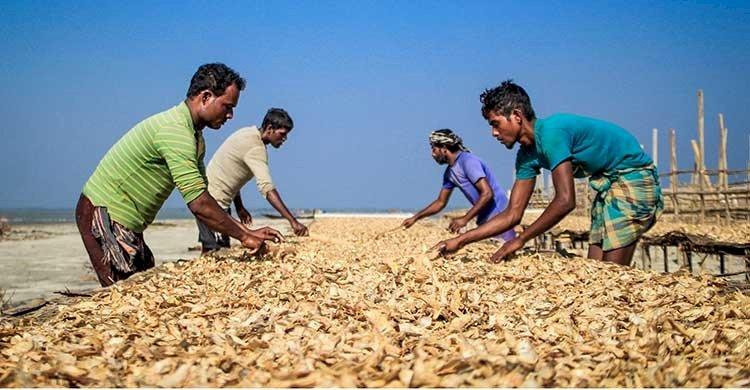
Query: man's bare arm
[433,208]
[485,196]
[274,199]
[205,208]
[562,204]
[520,195]
[510,217]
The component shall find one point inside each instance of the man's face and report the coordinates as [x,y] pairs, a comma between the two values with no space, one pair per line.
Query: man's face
[216,110]
[439,155]
[505,130]
[277,137]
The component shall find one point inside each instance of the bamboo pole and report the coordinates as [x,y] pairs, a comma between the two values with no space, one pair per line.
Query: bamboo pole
[709,172]
[655,146]
[673,169]
[725,139]
[697,153]
[712,210]
[723,184]
[727,209]
[701,128]
[703,181]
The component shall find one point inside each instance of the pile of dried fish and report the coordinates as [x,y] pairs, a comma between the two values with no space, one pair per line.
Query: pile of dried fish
[344,308]
[738,232]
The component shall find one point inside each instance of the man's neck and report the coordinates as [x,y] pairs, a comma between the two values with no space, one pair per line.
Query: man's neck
[263,137]
[198,124]
[452,157]
[527,133]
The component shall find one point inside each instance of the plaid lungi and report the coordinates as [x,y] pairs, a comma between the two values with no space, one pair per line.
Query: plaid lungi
[625,206]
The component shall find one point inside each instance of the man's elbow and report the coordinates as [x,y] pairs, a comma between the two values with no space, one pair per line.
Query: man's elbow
[265,189]
[515,217]
[198,204]
[567,203]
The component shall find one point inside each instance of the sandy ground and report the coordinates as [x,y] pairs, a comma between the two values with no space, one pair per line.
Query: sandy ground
[56,259]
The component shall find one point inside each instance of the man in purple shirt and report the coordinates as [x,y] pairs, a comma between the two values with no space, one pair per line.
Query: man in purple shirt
[470,174]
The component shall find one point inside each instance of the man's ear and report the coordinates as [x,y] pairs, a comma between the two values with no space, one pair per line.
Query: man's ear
[517,115]
[206,95]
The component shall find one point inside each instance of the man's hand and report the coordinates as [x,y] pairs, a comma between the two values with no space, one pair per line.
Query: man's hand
[408,222]
[268,233]
[244,216]
[299,229]
[255,244]
[448,246]
[508,248]
[457,224]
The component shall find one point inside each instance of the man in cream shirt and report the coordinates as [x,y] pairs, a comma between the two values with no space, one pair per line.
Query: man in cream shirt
[242,157]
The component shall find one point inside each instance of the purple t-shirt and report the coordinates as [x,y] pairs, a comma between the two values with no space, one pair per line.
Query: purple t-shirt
[464,173]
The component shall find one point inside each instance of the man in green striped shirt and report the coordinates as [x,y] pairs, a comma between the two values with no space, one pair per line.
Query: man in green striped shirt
[136,176]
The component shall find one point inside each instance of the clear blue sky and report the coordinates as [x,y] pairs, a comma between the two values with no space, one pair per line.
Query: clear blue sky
[364,81]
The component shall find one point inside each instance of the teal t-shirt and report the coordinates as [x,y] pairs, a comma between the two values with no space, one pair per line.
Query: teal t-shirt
[593,147]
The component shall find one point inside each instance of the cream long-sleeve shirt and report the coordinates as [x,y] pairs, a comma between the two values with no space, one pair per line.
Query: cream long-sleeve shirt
[240,158]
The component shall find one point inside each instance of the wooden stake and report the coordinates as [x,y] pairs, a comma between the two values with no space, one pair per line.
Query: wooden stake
[701,128]
[704,182]
[673,169]
[697,153]
[723,184]
[724,138]
[655,146]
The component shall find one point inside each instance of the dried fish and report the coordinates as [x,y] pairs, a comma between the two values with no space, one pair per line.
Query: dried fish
[343,308]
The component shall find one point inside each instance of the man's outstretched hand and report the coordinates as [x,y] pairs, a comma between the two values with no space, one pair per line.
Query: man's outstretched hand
[255,244]
[244,216]
[508,248]
[408,222]
[446,247]
[299,229]
[268,233]
[457,224]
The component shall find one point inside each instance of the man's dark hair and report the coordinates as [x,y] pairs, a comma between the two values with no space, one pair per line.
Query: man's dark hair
[505,98]
[215,77]
[277,118]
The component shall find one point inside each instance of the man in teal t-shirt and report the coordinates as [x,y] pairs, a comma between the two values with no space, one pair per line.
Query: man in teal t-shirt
[628,197]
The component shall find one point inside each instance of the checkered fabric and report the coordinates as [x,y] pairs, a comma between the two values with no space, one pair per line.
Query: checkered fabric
[625,206]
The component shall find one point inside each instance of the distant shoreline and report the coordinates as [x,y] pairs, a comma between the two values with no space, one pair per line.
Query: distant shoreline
[37,216]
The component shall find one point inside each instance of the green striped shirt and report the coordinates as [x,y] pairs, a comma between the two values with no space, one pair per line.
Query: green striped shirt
[139,172]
